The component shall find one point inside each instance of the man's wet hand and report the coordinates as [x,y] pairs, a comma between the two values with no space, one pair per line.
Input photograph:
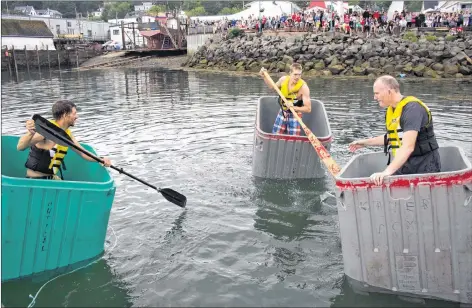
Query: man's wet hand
[107,162]
[30,127]
[261,72]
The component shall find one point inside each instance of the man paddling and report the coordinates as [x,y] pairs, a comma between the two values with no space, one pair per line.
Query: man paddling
[409,137]
[46,158]
[293,88]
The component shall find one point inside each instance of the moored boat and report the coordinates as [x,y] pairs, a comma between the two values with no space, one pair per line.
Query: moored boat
[411,236]
[49,224]
[280,156]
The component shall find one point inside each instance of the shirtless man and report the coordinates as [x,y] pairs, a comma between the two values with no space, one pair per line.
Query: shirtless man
[46,158]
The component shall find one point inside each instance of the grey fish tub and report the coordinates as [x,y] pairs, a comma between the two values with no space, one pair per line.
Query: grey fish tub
[411,236]
[278,156]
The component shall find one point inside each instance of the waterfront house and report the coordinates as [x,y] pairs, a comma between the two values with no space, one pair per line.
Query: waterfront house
[26,10]
[30,33]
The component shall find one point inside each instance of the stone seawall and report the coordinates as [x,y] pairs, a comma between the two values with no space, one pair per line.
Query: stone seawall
[412,54]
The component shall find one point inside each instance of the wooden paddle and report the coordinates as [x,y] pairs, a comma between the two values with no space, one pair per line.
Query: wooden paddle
[467,58]
[324,155]
[59,136]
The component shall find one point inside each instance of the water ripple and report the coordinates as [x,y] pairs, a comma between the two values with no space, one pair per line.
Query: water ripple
[241,241]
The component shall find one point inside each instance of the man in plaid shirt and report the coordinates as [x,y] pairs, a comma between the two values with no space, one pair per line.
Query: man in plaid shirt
[297,94]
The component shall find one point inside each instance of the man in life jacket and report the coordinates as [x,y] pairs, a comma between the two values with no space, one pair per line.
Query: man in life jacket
[293,88]
[46,158]
[409,137]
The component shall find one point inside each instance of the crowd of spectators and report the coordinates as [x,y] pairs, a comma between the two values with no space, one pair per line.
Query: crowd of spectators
[366,22]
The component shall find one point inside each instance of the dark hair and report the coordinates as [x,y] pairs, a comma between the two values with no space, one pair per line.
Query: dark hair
[61,108]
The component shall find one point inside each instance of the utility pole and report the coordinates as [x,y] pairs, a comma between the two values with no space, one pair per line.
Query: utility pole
[134,38]
[260,20]
[123,35]
[179,40]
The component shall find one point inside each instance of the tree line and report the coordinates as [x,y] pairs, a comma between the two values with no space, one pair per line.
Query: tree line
[119,9]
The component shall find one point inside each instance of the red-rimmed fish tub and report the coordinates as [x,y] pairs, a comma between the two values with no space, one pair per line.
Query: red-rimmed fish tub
[411,236]
[279,156]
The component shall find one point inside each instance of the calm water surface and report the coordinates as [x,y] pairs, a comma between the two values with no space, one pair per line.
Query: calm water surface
[240,241]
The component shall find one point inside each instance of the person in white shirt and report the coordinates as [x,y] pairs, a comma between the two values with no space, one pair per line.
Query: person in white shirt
[402,23]
[466,18]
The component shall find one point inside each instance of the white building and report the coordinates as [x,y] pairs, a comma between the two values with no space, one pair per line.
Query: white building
[144,7]
[32,34]
[253,9]
[98,13]
[49,13]
[69,27]
[455,6]
[27,10]
[116,33]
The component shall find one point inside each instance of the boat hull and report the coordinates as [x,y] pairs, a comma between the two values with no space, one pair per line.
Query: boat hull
[411,236]
[48,224]
[279,156]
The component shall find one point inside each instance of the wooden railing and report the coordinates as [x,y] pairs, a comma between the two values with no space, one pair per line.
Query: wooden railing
[200,30]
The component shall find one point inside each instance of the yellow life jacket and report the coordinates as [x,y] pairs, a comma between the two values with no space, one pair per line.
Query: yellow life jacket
[426,140]
[60,152]
[292,94]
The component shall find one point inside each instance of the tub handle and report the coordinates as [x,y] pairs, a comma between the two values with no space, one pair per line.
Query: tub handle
[341,201]
[258,144]
[468,195]
[396,199]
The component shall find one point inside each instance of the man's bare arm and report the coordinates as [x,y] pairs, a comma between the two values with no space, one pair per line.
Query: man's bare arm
[86,157]
[306,108]
[28,140]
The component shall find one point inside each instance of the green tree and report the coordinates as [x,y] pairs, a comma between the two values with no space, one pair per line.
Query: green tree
[198,11]
[156,9]
[116,10]
[94,18]
[413,6]
[229,11]
[68,9]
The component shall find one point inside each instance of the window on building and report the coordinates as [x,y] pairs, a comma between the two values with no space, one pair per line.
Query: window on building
[116,32]
[89,33]
[69,24]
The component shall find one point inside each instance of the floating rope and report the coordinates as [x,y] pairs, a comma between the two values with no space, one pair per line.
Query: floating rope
[67,273]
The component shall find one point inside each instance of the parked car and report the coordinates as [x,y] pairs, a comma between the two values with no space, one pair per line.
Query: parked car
[111,45]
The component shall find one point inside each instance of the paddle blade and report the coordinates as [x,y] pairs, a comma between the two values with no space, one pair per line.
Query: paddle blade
[324,155]
[173,196]
[50,131]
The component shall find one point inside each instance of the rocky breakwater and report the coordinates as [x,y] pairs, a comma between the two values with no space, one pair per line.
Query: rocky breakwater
[419,55]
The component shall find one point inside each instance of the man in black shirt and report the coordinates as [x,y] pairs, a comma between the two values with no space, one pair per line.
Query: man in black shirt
[409,137]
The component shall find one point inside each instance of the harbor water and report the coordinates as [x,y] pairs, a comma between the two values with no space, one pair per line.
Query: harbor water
[241,241]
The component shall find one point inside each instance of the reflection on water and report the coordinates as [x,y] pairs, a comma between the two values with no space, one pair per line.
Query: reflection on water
[93,286]
[241,241]
[288,209]
[351,297]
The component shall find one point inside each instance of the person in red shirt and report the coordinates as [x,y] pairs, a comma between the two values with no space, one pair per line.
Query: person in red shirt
[376,15]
